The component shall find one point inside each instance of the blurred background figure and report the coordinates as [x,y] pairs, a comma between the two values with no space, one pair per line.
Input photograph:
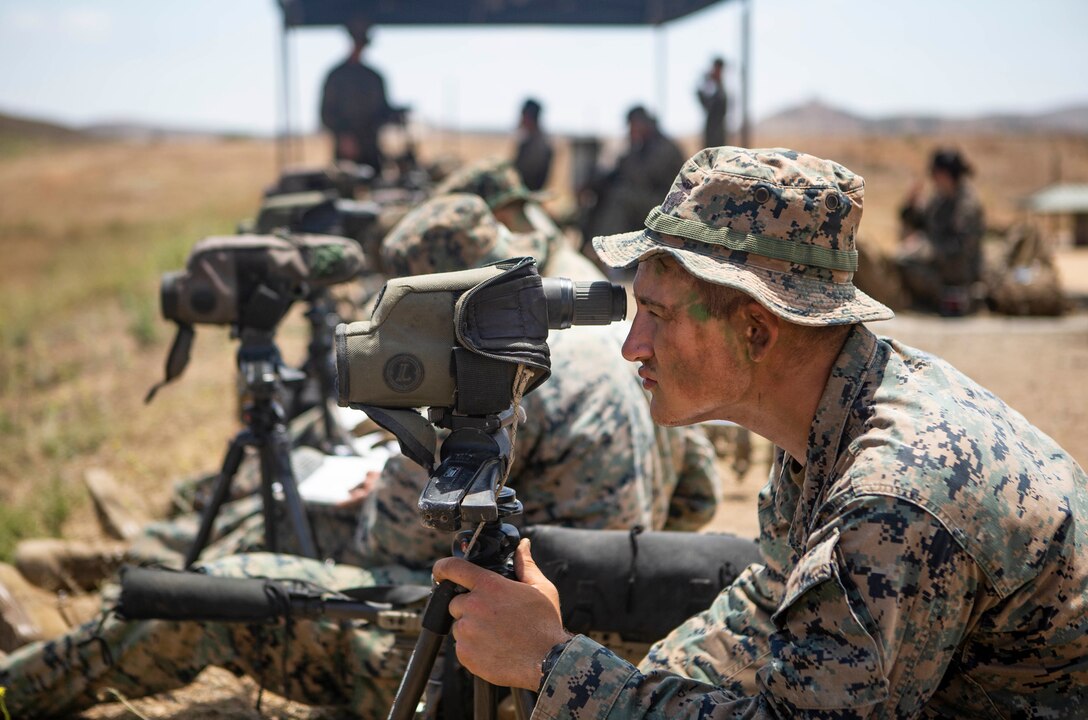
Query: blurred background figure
[354,106]
[533,157]
[618,200]
[711,94]
[940,255]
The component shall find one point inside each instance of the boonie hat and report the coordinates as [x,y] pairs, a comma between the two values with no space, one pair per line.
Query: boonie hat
[951,161]
[777,224]
[453,232]
[495,180]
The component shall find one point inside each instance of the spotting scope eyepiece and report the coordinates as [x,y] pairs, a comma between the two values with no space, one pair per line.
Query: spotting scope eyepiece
[581,302]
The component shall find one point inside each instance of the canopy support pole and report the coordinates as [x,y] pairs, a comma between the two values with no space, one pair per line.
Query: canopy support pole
[283,134]
[745,73]
[660,62]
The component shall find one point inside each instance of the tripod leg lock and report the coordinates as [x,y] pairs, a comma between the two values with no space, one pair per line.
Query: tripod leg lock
[436,617]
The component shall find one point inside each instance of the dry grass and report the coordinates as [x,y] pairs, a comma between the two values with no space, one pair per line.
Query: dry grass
[87,230]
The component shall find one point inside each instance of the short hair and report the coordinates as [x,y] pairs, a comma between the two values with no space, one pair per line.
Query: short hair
[639,113]
[719,62]
[531,108]
[359,29]
[950,161]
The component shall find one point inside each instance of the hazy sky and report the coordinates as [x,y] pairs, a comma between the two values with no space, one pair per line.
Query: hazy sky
[215,63]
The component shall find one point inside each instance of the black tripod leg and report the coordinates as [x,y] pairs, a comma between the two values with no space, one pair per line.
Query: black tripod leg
[436,626]
[484,699]
[268,498]
[277,455]
[524,700]
[235,453]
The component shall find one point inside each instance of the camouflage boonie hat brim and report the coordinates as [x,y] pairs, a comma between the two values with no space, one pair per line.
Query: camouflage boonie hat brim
[453,232]
[495,180]
[776,224]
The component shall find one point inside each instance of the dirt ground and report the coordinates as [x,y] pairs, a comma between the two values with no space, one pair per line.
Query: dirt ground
[86,231]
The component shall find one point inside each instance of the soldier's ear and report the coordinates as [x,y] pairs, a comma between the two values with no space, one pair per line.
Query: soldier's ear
[761,330]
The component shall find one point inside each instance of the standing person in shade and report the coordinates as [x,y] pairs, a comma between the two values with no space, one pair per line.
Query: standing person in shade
[941,255]
[711,94]
[925,548]
[533,158]
[354,106]
[641,176]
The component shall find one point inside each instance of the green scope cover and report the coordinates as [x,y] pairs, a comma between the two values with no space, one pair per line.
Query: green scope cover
[219,267]
[330,259]
[213,269]
[401,357]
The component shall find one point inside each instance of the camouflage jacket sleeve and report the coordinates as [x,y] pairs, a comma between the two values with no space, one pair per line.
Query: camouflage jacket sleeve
[698,491]
[871,617]
[725,644]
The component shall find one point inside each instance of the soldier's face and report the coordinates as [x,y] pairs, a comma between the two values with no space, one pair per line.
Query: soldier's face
[695,366]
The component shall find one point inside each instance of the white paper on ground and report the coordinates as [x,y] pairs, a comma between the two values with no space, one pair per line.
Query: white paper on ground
[334,480]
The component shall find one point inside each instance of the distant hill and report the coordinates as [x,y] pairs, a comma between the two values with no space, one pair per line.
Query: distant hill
[818,118]
[18,132]
[136,131]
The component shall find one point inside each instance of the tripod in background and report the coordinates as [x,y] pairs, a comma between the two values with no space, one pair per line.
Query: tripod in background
[262,372]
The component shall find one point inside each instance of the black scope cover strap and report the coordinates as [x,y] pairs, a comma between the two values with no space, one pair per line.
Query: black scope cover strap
[506,318]
[637,584]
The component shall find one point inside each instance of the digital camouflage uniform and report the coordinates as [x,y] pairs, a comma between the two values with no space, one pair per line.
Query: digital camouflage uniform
[324,662]
[923,560]
[586,456]
[497,182]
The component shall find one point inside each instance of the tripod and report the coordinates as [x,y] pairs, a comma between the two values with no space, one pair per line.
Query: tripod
[319,386]
[463,492]
[262,370]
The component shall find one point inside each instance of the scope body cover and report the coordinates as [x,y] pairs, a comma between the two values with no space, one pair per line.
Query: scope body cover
[251,279]
[402,356]
[222,271]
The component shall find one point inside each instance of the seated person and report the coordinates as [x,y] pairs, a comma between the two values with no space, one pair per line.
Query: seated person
[941,253]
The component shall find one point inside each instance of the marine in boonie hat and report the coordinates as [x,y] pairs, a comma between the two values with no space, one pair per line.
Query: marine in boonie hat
[495,180]
[777,224]
[453,232]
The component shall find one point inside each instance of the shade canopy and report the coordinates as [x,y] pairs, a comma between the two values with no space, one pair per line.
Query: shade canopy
[300,13]
[1059,200]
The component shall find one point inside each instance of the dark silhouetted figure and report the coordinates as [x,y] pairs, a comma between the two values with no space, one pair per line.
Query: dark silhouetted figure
[354,106]
[533,158]
[711,94]
[941,253]
[622,197]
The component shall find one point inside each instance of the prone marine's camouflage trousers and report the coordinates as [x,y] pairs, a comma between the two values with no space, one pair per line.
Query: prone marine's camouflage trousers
[240,528]
[326,662]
